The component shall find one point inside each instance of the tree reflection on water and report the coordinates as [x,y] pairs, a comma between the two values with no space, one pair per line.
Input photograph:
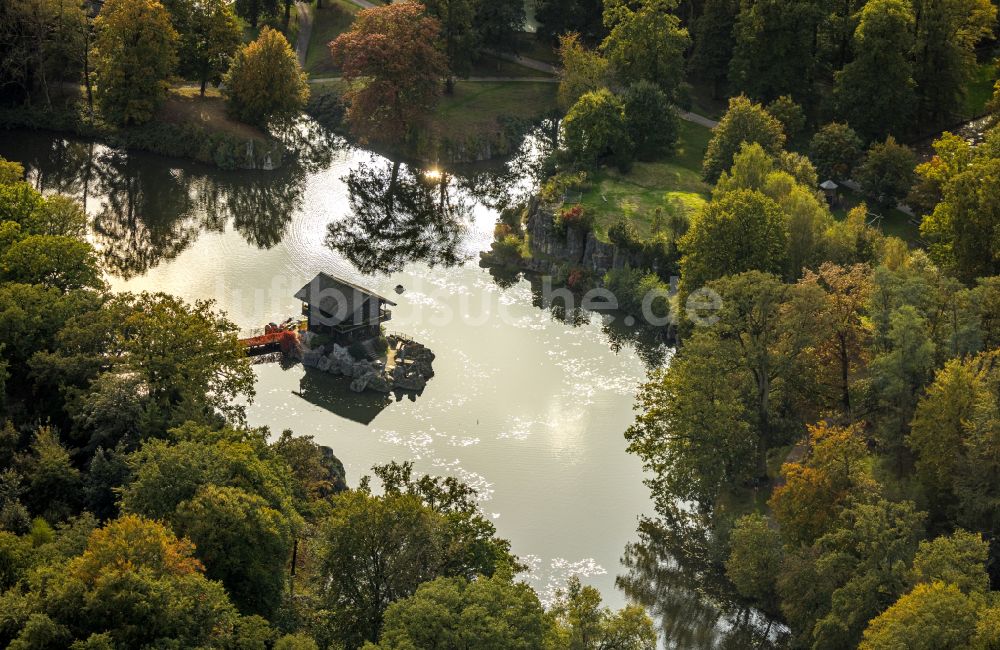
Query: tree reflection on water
[147,209]
[400,214]
[674,570]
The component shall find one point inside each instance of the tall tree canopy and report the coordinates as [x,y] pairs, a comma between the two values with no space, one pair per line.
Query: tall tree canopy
[646,42]
[744,122]
[136,49]
[392,58]
[265,82]
[875,91]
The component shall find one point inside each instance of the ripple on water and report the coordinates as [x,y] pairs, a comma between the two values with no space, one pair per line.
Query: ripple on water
[517,428]
[549,578]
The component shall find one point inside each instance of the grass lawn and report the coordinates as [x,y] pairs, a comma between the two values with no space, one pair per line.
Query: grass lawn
[894,222]
[496,67]
[672,184]
[185,106]
[475,106]
[329,22]
[981,89]
[529,46]
[275,22]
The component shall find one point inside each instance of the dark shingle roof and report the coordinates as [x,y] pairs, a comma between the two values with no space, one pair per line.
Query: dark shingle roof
[337,297]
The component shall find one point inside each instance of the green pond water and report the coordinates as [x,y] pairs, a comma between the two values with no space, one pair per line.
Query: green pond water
[525,407]
[529,403]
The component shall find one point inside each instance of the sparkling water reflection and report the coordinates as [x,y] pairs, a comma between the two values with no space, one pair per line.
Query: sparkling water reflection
[528,406]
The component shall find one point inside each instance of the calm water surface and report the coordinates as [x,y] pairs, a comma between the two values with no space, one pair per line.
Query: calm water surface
[528,408]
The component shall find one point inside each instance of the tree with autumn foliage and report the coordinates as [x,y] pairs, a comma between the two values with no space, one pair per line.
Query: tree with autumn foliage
[815,488]
[136,51]
[135,585]
[841,351]
[265,82]
[393,61]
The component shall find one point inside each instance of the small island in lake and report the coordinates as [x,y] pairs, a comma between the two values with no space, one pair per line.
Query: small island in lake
[344,336]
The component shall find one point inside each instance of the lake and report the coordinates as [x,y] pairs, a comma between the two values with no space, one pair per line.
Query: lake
[528,404]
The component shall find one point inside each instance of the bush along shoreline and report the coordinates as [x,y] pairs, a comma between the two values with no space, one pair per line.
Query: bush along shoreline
[538,239]
[224,150]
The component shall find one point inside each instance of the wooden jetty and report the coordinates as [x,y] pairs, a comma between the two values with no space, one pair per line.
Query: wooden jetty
[270,339]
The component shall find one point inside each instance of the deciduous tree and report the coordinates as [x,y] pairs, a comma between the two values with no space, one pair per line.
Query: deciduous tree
[932,616]
[458,35]
[135,585]
[743,122]
[650,120]
[947,33]
[875,91]
[454,613]
[594,129]
[835,150]
[740,231]
[962,230]
[209,36]
[59,261]
[646,42]
[392,58]
[886,175]
[265,82]
[582,70]
[136,53]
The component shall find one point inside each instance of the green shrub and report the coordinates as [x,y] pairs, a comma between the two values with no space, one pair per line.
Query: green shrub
[507,250]
[557,186]
[631,286]
[357,351]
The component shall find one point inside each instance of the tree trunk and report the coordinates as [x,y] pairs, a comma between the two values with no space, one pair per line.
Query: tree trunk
[845,367]
[288,12]
[449,85]
[391,190]
[204,80]
[86,75]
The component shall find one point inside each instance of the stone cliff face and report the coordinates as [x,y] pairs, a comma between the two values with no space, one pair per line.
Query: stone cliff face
[553,246]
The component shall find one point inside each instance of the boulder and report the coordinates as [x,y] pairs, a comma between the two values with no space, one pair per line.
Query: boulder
[340,353]
[358,384]
[361,369]
[410,382]
[323,363]
[379,383]
[423,367]
[310,358]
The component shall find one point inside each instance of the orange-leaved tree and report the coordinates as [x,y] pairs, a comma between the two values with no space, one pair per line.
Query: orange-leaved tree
[393,61]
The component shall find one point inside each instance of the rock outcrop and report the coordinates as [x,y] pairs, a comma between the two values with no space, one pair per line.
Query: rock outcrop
[412,366]
[552,246]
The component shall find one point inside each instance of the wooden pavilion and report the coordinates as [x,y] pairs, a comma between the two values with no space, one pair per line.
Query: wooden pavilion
[343,310]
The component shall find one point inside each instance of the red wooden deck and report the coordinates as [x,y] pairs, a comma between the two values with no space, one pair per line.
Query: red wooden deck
[263,344]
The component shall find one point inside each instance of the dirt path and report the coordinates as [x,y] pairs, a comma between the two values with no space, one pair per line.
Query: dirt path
[539,80]
[534,64]
[697,119]
[305,31]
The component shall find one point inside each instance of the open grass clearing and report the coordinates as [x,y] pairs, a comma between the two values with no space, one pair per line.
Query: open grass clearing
[894,222]
[477,106]
[650,190]
[184,105]
[980,89]
[329,22]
